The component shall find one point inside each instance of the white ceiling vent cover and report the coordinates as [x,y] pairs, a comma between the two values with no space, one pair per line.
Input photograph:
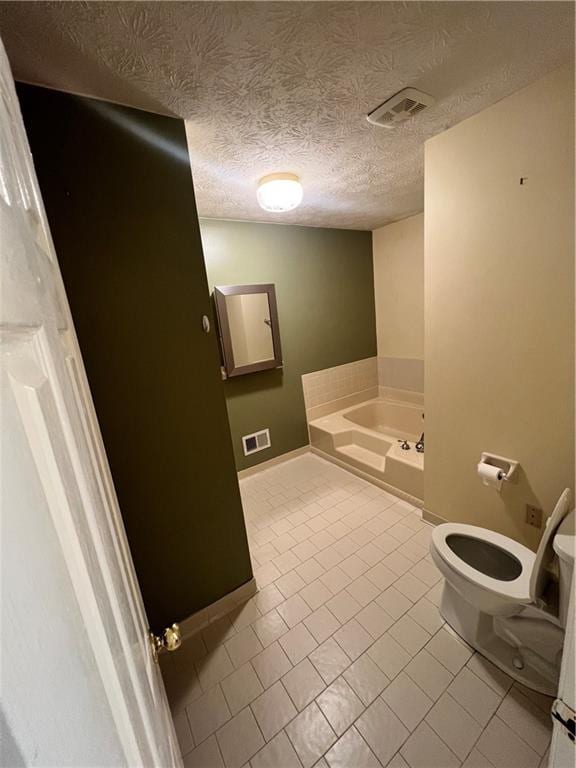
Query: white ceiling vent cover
[401,107]
[255,442]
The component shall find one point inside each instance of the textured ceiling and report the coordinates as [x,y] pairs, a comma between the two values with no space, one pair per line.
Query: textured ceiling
[271,86]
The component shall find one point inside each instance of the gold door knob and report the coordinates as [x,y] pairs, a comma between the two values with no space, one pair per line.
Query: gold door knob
[170,640]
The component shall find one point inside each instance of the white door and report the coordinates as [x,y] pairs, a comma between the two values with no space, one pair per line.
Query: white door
[79,686]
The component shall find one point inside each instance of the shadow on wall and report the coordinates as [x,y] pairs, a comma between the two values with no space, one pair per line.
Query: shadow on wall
[237,386]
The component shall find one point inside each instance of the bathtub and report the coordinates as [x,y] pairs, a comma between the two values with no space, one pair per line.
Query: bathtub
[368,437]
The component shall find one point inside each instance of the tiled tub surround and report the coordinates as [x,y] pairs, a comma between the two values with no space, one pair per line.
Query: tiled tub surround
[358,380]
[368,438]
[342,658]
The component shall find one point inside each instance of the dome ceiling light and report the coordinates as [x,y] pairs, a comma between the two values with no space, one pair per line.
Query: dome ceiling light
[279,192]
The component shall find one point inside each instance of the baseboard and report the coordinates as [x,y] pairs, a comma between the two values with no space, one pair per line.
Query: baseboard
[216,610]
[249,471]
[402,495]
[431,518]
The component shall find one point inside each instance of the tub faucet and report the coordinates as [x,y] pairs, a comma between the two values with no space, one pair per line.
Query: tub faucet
[420,444]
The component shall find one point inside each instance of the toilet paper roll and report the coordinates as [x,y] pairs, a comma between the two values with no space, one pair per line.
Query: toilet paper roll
[491,476]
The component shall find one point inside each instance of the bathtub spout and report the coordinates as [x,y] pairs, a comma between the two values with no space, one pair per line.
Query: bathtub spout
[420,444]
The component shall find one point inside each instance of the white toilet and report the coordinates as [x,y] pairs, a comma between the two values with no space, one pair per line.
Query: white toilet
[504,600]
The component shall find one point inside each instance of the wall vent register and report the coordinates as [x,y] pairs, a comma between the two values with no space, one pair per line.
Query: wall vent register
[258,441]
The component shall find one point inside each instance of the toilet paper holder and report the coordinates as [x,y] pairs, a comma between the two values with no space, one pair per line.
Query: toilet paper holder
[506,466]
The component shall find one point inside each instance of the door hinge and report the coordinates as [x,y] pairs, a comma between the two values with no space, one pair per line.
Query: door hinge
[565,716]
[169,640]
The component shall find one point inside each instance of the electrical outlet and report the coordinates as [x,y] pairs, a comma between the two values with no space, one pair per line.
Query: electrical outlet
[533,516]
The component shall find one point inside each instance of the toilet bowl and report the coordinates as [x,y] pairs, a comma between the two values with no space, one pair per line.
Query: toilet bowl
[506,601]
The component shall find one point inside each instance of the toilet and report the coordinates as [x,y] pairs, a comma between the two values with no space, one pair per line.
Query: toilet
[507,602]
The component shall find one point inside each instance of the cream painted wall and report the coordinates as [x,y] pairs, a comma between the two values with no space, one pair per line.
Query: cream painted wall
[499,274]
[398,253]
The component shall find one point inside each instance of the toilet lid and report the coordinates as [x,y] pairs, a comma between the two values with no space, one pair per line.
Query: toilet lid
[545,553]
[516,589]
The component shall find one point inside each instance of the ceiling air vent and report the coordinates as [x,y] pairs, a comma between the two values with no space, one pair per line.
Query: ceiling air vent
[404,105]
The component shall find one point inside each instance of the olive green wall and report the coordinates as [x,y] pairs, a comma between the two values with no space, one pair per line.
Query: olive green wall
[118,192]
[325,290]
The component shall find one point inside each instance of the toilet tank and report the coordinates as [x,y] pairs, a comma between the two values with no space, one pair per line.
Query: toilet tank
[564,546]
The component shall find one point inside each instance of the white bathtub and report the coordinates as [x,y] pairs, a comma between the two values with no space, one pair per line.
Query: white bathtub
[368,438]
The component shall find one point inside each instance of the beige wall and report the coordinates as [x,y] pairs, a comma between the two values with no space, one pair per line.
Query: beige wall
[398,253]
[499,334]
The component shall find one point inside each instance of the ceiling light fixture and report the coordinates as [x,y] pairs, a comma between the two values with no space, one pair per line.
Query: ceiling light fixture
[279,192]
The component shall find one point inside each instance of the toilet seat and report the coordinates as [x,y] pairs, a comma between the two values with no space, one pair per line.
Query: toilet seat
[516,590]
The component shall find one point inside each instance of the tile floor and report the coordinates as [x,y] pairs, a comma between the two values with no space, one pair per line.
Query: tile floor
[342,658]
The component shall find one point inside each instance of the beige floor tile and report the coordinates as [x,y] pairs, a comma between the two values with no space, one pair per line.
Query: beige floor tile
[454,725]
[311,735]
[270,627]
[382,730]
[351,751]
[241,687]
[476,760]
[407,700]
[389,656]
[207,755]
[429,674]
[340,705]
[271,664]
[527,720]
[401,532]
[293,610]
[394,602]
[322,624]
[273,710]
[426,572]
[335,579]
[217,632]
[207,714]
[353,639]
[425,749]
[316,594]
[309,570]
[183,732]
[499,681]
[397,563]
[329,557]
[375,620]
[215,666]
[504,748]
[540,699]
[182,686]
[370,554]
[410,635]
[244,614]
[284,542]
[448,651]
[239,739]
[266,574]
[286,562]
[278,753]
[366,678]
[354,566]
[303,683]
[427,615]
[242,647]
[363,591]
[343,606]
[381,576]
[268,598]
[290,584]
[298,643]
[330,660]
[474,695]
[411,587]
